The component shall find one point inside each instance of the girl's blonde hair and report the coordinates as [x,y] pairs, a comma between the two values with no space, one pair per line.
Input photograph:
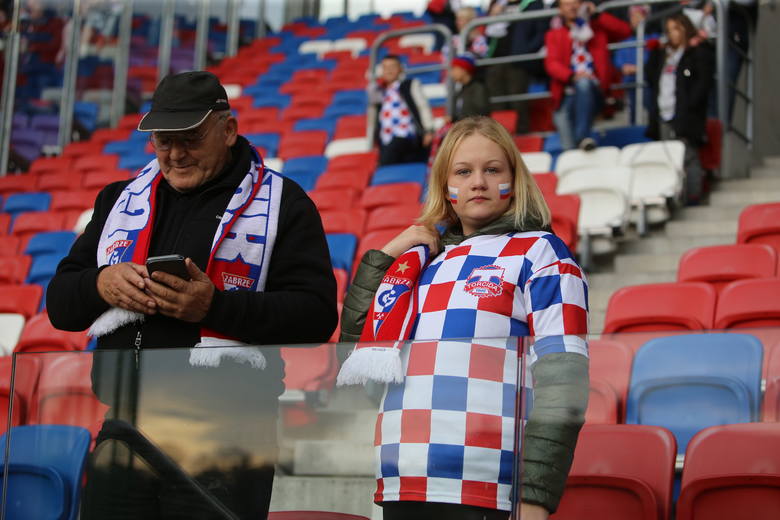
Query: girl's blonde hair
[528,205]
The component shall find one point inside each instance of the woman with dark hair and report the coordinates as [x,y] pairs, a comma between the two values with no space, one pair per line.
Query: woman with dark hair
[680,74]
[445,430]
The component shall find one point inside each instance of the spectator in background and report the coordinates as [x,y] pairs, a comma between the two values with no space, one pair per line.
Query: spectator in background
[477,44]
[578,64]
[404,122]
[625,59]
[523,37]
[680,74]
[471,98]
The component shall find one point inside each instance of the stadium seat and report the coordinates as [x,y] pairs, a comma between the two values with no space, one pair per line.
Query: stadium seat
[547,182]
[61,181]
[393,217]
[690,382]
[565,211]
[21,299]
[342,250]
[603,404]
[529,143]
[9,245]
[400,173]
[720,265]
[710,152]
[46,469]
[610,362]
[310,369]
[269,142]
[657,175]
[43,268]
[348,146]
[334,200]
[14,269]
[620,472]
[302,144]
[507,118]
[749,303]
[351,221]
[760,224]
[354,161]
[312,165]
[23,183]
[326,123]
[65,393]
[425,41]
[661,307]
[342,282]
[11,326]
[52,242]
[101,179]
[537,162]
[32,222]
[39,335]
[5,222]
[600,157]
[389,194]
[345,178]
[771,408]
[732,471]
[350,126]
[98,162]
[26,202]
[623,136]
[9,398]
[375,240]
[81,148]
[45,166]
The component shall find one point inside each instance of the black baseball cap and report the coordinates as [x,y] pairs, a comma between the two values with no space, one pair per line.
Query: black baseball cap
[183,101]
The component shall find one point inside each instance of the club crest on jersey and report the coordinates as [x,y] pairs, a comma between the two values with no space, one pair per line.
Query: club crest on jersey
[234,282]
[485,281]
[117,250]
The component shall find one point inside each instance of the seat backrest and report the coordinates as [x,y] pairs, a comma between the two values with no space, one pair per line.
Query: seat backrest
[601,157]
[14,269]
[732,471]
[760,223]
[622,455]
[670,152]
[547,182]
[25,202]
[351,221]
[9,246]
[389,194]
[353,145]
[39,335]
[610,362]
[603,403]
[749,303]
[11,325]
[771,408]
[408,172]
[31,222]
[661,307]
[62,449]
[342,250]
[21,299]
[50,242]
[720,265]
[689,382]
[392,217]
[585,178]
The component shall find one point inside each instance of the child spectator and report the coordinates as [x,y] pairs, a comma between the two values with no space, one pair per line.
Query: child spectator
[472,97]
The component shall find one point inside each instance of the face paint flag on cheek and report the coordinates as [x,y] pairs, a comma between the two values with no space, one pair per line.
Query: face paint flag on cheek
[453,194]
[504,191]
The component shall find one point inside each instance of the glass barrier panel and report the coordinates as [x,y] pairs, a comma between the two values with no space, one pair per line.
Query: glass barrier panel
[208,433]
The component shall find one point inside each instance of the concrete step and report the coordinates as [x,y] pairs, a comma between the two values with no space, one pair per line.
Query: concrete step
[339,494]
[695,228]
[596,322]
[760,182]
[333,457]
[772,162]
[598,299]
[709,213]
[614,281]
[647,263]
[743,198]
[667,245]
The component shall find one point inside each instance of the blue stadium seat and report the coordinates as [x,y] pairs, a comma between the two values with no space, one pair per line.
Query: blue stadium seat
[342,250]
[135,161]
[43,268]
[428,77]
[623,136]
[313,165]
[553,143]
[21,202]
[321,123]
[306,180]
[690,382]
[280,101]
[409,172]
[50,242]
[352,96]
[46,467]
[270,142]
[122,147]
[345,109]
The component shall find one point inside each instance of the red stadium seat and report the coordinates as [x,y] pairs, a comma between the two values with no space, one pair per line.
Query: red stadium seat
[610,362]
[354,161]
[350,221]
[342,281]
[268,126]
[51,165]
[772,377]
[19,403]
[31,222]
[9,246]
[350,126]
[14,269]
[21,299]
[130,121]
[243,103]
[749,303]
[620,472]
[82,148]
[540,115]
[294,113]
[760,224]
[101,179]
[39,335]
[710,152]
[65,393]
[106,135]
[73,200]
[313,515]
[721,265]
[302,144]
[529,143]
[99,162]
[337,200]
[25,387]
[547,183]
[17,183]
[565,211]
[373,240]
[310,369]
[603,404]
[263,114]
[356,179]
[61,181]
[5,223]
[661,307]
[732,471]
[507,118]
[390,194]
[393,217]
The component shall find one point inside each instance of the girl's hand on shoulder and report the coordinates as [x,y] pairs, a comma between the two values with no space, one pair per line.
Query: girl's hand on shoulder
[410,237]
[533,512]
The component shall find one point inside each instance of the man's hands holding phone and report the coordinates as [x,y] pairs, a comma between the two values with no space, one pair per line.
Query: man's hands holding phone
[129,286]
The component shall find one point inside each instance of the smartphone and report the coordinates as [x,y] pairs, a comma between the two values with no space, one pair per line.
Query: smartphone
[171,264]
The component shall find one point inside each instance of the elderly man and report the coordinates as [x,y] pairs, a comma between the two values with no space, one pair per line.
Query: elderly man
[257,268]
[404,122]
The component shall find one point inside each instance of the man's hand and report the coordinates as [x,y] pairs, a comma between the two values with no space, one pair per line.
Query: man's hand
[122,285]
[184,300]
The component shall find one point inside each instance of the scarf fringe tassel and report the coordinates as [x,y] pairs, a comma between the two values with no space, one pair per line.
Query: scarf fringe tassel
[380,364]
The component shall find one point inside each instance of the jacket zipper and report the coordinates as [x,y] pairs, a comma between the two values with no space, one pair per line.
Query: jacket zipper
[137,344]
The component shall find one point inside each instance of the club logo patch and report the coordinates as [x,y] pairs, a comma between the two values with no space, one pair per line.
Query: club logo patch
[233,282]
[485,281]
[117,250]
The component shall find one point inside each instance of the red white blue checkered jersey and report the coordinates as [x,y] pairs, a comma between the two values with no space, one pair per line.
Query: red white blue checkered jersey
[581,58]
[446,433]
[395,119]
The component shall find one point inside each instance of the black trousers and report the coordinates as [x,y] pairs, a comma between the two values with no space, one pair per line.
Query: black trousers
[402,150]
[435,510]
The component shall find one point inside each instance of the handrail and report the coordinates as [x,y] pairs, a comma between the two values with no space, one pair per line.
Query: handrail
[122,63]
[9,89]
[71,76]
[384,36]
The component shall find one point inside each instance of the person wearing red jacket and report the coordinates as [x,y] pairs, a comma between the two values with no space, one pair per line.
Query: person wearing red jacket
[577,62]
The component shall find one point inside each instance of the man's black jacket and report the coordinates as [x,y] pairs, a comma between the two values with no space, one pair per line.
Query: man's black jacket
[297,306]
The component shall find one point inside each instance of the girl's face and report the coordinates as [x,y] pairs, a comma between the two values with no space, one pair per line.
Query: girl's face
[675,33]
[479,182]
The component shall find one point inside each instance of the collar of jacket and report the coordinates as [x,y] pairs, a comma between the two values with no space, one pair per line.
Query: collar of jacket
[503,224]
